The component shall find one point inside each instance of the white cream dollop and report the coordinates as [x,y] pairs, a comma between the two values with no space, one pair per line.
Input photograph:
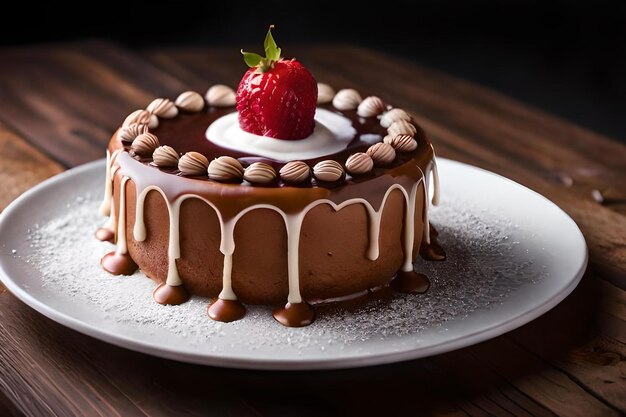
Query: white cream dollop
[359,163]
[325,93]
[329,170]
[371,106]
[165,156]
[401,143]
[332,134]
[402,127]
[142,116]
[190,101]
[392,116]
[163,107]
[259,173]
[381,153]
[130,132]
[220,95]
[347,99]
[145,144]
[225,168]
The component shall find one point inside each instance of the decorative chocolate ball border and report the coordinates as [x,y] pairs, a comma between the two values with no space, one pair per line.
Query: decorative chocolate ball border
[400,137]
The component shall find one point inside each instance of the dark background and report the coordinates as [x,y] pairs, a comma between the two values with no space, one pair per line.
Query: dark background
[565,57]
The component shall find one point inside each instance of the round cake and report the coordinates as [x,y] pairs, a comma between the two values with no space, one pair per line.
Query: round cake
[282,193]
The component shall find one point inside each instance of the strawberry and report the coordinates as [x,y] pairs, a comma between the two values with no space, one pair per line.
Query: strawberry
[276,97]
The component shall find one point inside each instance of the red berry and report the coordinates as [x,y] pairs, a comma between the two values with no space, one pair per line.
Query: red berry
[279,103]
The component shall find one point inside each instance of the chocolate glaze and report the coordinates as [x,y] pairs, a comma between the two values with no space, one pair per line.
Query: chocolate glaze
[232,199]
[105,235]
[226,310]
[118,263]
[410,282]
[295,315]
[169,294]
[187,132]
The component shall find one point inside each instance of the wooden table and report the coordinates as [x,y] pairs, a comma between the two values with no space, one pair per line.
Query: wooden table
[58,107]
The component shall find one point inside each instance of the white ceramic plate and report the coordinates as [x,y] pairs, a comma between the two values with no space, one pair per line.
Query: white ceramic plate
[513,255]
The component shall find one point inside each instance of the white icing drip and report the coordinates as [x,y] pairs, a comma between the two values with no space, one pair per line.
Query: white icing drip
[173,279]
[105,207]
[227,241]
[409,228]
[293,225]
[332,134]
[121,224]
[370,138]
[227,285]
[227,247]
[373,249]
[435,180]
[111,222]
[108,201]
[173,247]
[426,232]
[113,172]
[139,230]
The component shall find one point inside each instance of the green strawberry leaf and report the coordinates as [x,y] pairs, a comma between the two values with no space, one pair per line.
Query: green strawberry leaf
[272,51]
[251,59]
[272,54]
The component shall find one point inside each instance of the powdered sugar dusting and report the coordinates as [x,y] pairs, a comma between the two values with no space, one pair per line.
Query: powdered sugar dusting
[482,269]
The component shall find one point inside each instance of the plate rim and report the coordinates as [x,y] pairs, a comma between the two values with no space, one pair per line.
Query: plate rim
[282,364]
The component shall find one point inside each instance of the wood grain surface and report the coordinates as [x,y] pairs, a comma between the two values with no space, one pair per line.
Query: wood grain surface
[58,107]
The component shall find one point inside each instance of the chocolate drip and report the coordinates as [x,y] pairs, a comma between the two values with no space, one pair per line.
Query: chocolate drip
[226,310]
[118,263]
[432,251]
[410,282]
[105,234]
[295,314]
[169,294]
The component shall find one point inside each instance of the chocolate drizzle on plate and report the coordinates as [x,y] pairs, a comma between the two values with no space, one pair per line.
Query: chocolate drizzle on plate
[170,294]
[118,263]
[410,282]
[295,315]
[104,234]
[226,310]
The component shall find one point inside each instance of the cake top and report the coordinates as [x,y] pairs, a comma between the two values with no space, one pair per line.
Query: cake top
[281,128]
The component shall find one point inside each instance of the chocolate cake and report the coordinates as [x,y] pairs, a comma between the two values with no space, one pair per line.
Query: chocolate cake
[282,193]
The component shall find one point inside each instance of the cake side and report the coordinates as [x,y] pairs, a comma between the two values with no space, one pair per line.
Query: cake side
[333,245]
